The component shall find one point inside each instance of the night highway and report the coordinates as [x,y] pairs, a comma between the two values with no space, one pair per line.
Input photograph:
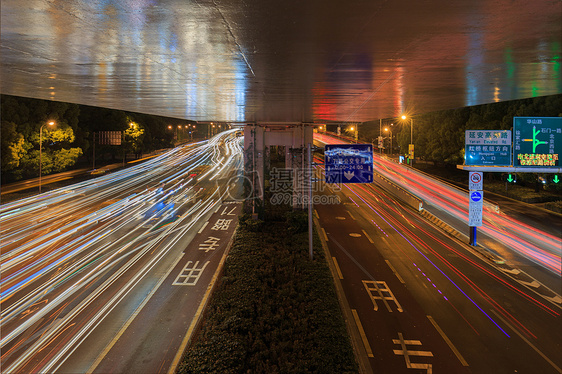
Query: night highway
[80,263]
[414,288]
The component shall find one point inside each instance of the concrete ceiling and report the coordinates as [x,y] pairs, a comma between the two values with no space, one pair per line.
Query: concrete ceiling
[281,61]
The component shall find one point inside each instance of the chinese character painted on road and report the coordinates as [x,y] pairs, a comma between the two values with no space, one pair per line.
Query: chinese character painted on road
[221,224]
[190,275]
[210,244]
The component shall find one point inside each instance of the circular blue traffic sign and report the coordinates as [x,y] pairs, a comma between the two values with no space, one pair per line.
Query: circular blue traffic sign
[475,196]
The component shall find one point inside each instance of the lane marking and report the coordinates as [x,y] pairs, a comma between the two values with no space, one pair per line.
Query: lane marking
[133,316]
[324,233]
[395,272]
[351,215]
[362,333]
[340,275]
[528,342]
[378,290]
[200,309]
[316,214]
[406,353]
[203,228]
[448,341]
[368,237]
[189,276]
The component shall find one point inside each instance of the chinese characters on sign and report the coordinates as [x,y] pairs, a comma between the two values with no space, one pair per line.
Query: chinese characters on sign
[487,147]
[348,163]
[537,141]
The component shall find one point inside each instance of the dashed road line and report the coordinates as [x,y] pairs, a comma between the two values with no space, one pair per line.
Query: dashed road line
[362,333]
[324,233]
[395,272]
[448,341]
[340,275]
[203,228]
[368,237]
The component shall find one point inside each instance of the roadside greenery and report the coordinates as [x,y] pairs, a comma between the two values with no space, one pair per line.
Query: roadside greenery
[439,136]
[274,310]
[69,141]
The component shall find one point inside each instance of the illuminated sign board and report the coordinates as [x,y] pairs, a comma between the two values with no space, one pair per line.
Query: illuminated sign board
[537,141]
[348,163]
[487,147]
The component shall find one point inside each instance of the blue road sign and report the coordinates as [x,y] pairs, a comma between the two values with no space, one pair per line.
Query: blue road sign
[349,163]
[475,196]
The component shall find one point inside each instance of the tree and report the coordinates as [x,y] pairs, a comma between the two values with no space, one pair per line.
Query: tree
[133,137]
[13,146]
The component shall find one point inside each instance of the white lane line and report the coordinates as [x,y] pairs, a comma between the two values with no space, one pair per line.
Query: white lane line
[340,275]
[368,237]
[362,333]
[202,228]
[529,343]
[395,272]
[448,341]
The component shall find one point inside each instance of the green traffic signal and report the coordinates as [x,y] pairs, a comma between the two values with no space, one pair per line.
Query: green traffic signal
[556,179]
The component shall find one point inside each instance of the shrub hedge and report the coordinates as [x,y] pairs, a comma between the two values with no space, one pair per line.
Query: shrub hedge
[274,310]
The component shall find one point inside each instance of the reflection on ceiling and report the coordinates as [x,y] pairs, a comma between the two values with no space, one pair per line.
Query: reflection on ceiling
[281,61]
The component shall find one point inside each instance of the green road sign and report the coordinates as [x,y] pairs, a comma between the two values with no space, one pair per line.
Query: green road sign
[537,141]
[487,147]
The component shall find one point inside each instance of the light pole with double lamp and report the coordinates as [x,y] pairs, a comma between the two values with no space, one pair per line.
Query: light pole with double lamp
[50,123]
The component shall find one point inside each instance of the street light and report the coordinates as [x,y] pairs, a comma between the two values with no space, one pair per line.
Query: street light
[50,123]
[389,130]
[411,148]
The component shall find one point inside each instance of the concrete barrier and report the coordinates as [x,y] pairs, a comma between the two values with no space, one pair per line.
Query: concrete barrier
[397,191]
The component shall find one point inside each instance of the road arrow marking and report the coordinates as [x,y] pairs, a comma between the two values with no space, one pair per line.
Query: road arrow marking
[349,174]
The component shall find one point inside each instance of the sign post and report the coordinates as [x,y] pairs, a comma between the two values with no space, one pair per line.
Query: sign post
[475,204]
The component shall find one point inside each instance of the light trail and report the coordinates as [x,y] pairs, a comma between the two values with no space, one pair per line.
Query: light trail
[90,245]
[538,246]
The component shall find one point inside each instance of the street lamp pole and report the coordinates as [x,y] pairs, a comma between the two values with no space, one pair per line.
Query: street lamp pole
[411,150]
[389,130]
[50,123]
